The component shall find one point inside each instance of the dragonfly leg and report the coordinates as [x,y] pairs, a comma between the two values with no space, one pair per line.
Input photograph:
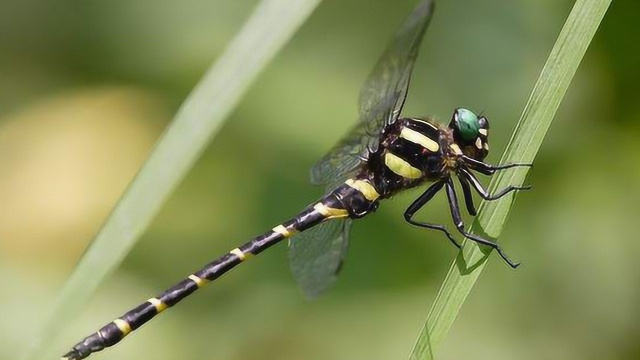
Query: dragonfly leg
[489,169]
[457,219]
[468,197]
[468,176]
[419,203]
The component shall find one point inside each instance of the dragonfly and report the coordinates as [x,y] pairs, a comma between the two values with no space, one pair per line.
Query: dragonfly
[382,155]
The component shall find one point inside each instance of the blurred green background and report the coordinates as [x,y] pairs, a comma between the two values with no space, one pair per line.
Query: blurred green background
[87,87]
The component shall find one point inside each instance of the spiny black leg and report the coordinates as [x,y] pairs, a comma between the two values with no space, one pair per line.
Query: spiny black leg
[457,220]
[482,191]
[489,169]
[419,203]
[468,198]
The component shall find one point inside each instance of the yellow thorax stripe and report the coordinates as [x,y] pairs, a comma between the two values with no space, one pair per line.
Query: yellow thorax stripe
[425,122]
[420,139]
[365,188]
[401,167]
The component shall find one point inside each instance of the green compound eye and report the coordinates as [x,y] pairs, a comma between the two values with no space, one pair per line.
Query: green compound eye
[467,123]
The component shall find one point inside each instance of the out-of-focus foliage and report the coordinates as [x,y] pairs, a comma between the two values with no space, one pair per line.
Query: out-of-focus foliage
[87,87]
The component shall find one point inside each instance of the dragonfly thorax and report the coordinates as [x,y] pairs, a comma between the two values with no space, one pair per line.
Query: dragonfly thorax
[410,152]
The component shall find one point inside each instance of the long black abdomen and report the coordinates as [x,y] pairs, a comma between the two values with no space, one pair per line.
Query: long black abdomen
[354,199]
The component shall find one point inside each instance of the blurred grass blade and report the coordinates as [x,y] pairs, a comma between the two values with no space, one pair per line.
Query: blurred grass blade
[271,25]
[536,118]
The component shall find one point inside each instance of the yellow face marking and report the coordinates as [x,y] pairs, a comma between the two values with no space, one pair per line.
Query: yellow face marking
[417,138]
[237,252]
[365,188]
[284,231]
[159,305]
[479,143]
[483,132]
[200,282]
[330,213]
[124,326]
[401,167]
[456,149]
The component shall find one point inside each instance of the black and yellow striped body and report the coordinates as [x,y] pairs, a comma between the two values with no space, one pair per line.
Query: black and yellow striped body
[353,199]
[382,155]
[411,152]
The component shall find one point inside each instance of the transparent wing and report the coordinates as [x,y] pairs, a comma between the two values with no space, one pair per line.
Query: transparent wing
[316,255]
[381,100]
[343,159]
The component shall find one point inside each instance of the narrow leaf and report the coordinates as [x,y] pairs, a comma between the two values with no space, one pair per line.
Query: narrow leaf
[570,47]
[271,25]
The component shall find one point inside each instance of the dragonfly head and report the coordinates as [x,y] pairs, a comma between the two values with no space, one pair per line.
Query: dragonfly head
[470,133]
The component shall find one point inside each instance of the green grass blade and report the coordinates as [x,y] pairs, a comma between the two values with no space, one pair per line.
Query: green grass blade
[536,118]
[271,25]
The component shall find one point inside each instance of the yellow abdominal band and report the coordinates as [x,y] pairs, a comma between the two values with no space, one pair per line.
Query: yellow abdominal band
[365,188]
